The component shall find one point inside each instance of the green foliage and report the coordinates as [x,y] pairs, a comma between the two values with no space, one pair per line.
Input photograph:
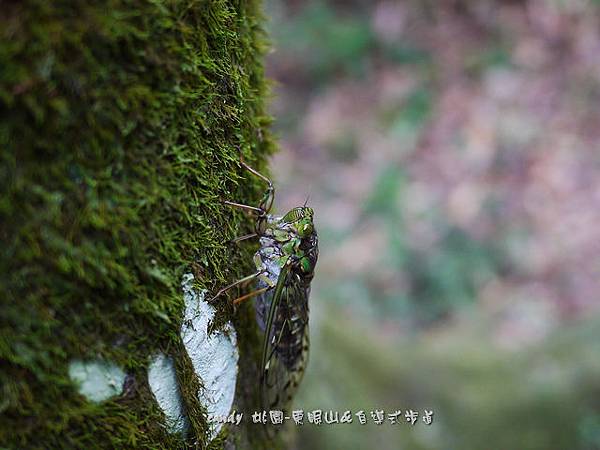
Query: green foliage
[119,135]
[439,281]
[496,56]
[407,118]
[335,40]
[448,278]
[329,43]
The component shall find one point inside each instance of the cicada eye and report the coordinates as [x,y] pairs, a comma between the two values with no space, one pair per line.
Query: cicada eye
[308,228]
[305,229]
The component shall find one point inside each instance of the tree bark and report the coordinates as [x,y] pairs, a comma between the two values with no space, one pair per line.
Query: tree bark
[121,127]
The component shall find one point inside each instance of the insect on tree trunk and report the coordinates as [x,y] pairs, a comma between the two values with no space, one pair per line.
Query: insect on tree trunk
[120,132]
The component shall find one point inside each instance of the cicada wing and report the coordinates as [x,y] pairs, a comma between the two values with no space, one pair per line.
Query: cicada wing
[285,348]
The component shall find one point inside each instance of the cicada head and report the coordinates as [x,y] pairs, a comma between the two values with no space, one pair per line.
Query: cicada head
[301,220]
[302,245]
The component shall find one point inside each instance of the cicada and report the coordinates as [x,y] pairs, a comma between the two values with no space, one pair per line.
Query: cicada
[285,265]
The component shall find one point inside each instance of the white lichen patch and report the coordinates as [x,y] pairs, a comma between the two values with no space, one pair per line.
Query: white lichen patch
[97,380]
[163,383]
[214,356]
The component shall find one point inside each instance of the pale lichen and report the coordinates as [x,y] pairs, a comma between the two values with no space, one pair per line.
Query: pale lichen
[163,383]
[97,380]
[213,355]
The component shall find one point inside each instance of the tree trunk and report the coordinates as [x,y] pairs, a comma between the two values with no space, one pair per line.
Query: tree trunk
[121,127]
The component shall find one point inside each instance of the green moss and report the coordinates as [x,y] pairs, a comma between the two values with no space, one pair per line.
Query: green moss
[119,135]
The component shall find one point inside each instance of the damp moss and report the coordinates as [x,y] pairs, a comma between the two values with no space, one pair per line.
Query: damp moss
[120,131]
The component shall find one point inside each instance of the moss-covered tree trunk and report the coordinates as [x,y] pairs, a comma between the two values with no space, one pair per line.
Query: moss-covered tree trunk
[120,132]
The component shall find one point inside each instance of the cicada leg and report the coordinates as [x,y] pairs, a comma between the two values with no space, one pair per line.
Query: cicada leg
[262,210]
[263,207]
[239,300]
[266,280]
[267,202]
[244,237]
[237,283]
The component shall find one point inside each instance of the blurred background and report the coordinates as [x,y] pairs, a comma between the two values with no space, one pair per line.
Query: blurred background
[451,152]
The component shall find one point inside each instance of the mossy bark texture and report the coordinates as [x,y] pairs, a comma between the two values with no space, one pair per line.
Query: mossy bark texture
[121,125]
